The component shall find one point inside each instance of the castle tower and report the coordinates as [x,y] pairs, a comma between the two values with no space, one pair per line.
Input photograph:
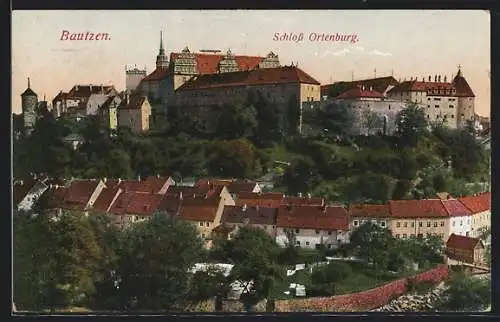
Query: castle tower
[29,103]
[161,59]
[133,78]
[465,99]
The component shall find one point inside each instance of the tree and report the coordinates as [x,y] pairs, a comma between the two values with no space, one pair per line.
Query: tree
[301,176]
[154,264]
[270,119]
[373,122]
[293,116]
[411,124]
[371,243]
[466,293]
[253,253]
[236,121]
[235,158]
[207,284]
[335,119]
[370,187]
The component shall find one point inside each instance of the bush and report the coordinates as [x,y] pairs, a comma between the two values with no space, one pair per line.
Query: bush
[330,273]
[466,293]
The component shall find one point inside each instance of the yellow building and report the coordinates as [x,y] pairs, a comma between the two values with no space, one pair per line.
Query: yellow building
[480,206]
[134,112]
[279,85]
[108,112]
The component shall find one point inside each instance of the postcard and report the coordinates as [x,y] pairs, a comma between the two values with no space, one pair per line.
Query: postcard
[251,161]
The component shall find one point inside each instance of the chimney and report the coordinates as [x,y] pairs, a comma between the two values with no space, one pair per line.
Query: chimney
[76,87]
[104,179]
[308,196]
[363,87]
[300,194]
[439,78]
[158,175]
[244,208]
[180,195]
[371,88]
[119,180]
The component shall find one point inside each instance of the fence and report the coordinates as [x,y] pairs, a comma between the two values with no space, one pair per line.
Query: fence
[362,301]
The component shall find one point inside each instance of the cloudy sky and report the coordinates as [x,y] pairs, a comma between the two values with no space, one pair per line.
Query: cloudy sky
[400,43]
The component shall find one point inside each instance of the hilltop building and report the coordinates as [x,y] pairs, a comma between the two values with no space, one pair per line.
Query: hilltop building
[133,78]
[29,104]
[450,103]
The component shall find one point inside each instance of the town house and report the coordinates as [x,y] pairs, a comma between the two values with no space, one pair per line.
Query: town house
[235,217]
[81,195]
[263,199]
[312,226]
[133,207]
[359,214]
[480,207]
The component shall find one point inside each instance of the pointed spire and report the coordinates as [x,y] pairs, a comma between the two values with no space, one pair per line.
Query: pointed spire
[161,43]
[29,82]
[459,73]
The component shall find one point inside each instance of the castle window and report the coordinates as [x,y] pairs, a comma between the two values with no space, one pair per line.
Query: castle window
[436,106]
[451,106]
[452,116]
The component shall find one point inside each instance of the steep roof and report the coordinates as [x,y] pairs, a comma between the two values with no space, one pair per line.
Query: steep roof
[477,203]
[417,208]
[135,102]
[455,208]
[360,92]
[29,92]
[379,84]
[264,76]
[369,210]
[197,209]
[119,207]
[153,184]
[80,191]
[143,203]
[313,217]
[461,85]
[241,186]
[249,215]
[462,242]
[20,190]
[105,198]
[209,63]
[84,91]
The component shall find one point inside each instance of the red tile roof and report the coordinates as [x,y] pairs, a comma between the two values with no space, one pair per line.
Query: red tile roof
[54,197]
[207,183]
[143,203]
[130,185]
[369,210]
[80,191]
[119,207]
[265,199]
[156,75]
[462,87]
[241,186]
[478,203]
[105,198]
[359,92]
[84,91]
[264,76]
[136,101]
[462,242]
[154,185]
[459,84]
[209,63]
[379,84]
[455,208]
[199,209]
[312,201]
[313,217]
[249,215]
[417,208]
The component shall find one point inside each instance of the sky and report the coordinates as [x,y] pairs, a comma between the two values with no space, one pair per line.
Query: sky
[404,44]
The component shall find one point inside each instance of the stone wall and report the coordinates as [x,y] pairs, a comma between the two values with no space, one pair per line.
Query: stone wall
[362,301]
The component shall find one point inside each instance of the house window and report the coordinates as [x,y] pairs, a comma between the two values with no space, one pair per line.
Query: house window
[451,106]
[317,232]
[436,106]
[461,223]
[420,235]
[453,223]
[435,224]
[297,243]
[420,224]
[355,223]
[442,224]
[404,235]
[330,232]
[428,116]
[208,224]
[201,224]
[382,224]
[398,224]
[202,235]
[307,243]
[413,224]
[428,224]
[468,221]
[297,231]
[405,224]
[317,246]
[397,235]
[467,234]
[329,246]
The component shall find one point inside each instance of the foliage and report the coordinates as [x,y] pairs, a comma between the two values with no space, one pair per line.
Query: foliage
[466,293]
[301,176]
[371,243]
[411,124]
[236,158]
[154,264]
